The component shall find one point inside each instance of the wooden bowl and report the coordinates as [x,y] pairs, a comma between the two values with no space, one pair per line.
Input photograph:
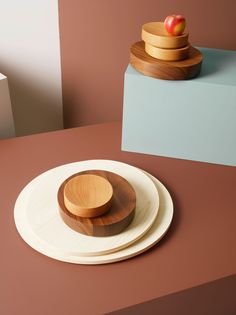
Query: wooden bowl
[112,222]
[165,70]
[167,54]
[155,34]
[88,195]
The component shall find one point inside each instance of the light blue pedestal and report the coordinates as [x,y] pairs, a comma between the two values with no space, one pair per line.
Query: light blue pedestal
[193,119]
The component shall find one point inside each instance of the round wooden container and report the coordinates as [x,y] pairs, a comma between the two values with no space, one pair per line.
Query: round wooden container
[119,216]
[167,54]
[166,70]
[155,34]
[88,195]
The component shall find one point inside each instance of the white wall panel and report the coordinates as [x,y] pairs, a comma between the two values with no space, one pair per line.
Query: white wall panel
[30,58]
[7,129]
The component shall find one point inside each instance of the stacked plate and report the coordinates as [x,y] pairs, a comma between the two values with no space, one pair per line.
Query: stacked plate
[164,56]
[39,221]
[161,45]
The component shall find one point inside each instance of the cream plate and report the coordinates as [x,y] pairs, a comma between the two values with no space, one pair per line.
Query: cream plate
[154,234]
[38,204]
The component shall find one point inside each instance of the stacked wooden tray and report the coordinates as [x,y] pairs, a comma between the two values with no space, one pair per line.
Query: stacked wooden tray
[136,212]
[165,56]
[111,209]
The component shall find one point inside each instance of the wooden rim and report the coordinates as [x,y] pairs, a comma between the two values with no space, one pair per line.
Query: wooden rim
[155,34]
[167,54]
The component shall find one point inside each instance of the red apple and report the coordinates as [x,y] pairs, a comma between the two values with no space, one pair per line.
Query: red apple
[175,24]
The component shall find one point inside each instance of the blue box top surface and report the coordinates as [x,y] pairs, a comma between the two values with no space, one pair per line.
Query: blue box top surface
[218,67]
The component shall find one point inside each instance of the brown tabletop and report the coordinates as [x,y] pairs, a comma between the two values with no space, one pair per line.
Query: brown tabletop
[198,249]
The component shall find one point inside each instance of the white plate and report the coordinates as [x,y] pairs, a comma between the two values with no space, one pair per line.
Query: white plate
[154,234]
[38,202]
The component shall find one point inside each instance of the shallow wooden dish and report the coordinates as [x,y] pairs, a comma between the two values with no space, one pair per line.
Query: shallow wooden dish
[167,54]
[166,70]
[114,221]
[88,195]
[155,34]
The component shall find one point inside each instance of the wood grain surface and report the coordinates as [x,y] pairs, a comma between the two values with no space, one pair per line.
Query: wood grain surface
[166,70]
[114,221]
[88,195]
[155,34]
[167,54]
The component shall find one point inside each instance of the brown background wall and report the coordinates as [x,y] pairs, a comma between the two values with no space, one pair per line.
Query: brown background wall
[95,40]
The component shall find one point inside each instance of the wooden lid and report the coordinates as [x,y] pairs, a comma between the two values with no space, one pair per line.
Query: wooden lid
[88,195]
[167,54]
[155,34]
